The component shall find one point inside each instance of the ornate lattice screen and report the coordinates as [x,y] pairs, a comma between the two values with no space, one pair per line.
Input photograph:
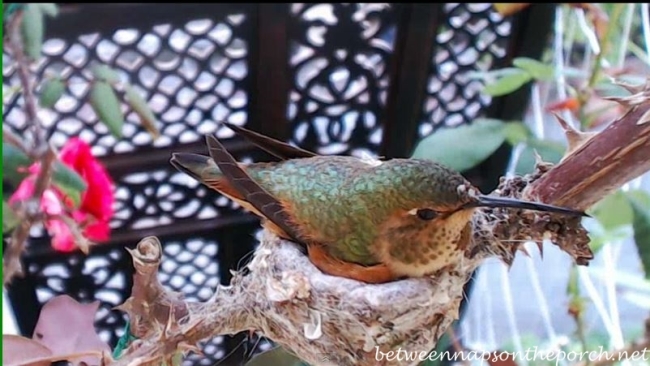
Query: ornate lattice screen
[332,78]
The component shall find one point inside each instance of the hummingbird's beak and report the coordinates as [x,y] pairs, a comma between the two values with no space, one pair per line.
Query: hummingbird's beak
[491,201]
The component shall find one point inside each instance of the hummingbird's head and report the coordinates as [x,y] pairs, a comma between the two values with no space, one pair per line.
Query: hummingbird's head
[438,192]
[433,224]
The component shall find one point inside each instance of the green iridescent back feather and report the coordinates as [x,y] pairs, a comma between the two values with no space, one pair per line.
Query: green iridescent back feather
[345,200]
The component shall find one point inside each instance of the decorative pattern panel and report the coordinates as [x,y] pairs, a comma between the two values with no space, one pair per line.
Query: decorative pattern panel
[470,40]
[339,65]
[193,76]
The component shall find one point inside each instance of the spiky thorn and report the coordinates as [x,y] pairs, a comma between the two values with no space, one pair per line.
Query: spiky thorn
[640,94]
[575,138]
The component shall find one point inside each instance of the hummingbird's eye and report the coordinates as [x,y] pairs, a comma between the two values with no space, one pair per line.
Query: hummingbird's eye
[426,214]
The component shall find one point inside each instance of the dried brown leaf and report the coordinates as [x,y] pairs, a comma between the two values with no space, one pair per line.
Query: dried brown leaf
[67,327]
[22,351]
[19,351]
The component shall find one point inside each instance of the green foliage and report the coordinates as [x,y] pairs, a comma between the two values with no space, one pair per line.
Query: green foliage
[105,103]
[619,215]
[33,27]
[9,217]
[612,211]
[516,133]
[536,69]
[461,148]
[103,95]
[32,30]
[507,83]
[14,162]
[69,182]
[105,73]
[141,108]
[51,91]
[507,80]
[549,151]
[641,225]
[49,9]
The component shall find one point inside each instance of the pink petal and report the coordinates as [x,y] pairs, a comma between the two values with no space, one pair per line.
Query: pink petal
[25,190]
[62,239]
[98,231]
[50,203]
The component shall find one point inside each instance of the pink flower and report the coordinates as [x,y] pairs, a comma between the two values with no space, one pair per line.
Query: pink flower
[96,207]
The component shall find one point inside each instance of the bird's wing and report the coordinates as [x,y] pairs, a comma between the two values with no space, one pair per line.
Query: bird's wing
[250,191]
[274,147]
[378,273]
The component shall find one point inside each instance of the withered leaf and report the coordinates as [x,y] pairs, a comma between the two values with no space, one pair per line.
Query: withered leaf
[22,351]
[19,350]
[67,327]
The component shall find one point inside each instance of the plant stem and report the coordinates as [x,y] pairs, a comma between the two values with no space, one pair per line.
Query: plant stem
[41,150]
[15,44]
[586,92]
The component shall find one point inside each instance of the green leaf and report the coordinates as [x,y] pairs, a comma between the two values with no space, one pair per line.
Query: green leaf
[516,132]
[105,103]
[641,225]
[9,217]
[640,196]
[51,91]
[32,29]
[277,356]
[49,9]
[12,160]
[141,108]
[507,84]
[600,236]
[550,151]
[461,148]
[536,69]
[105,73]
[68,182]
[612,211]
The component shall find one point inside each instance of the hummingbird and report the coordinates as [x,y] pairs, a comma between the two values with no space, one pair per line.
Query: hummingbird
[370,220]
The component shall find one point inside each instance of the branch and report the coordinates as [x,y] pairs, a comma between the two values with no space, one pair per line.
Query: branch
[31,113]
[324,320]
[613,157]
[12,265]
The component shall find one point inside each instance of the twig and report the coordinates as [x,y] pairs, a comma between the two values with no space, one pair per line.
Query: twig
[41,150]
[12,265]
[10,137]
[604,163]
[31,113]
[324,320]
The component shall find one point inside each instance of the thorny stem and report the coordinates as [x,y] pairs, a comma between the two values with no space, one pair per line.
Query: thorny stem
[15,44]
[41,150]
[10,137]
[11,260]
